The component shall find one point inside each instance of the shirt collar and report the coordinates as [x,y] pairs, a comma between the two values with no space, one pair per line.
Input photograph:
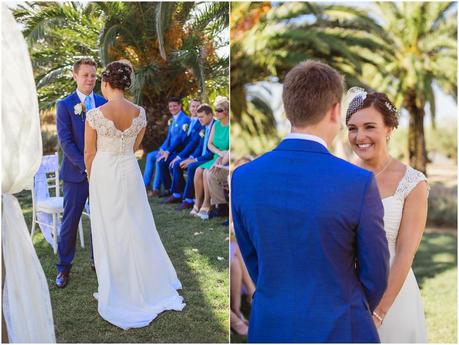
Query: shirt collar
[304,136]
[82,96]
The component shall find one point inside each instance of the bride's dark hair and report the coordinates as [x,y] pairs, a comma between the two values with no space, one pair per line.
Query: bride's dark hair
[380,102]
[118,74]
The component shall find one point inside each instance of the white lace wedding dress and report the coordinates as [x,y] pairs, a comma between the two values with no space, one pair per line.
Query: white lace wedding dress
[136,278]
[405,321]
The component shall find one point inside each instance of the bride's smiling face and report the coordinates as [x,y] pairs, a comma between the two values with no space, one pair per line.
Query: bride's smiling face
[368,134]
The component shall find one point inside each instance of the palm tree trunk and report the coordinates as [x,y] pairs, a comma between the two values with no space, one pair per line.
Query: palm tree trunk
[416,138]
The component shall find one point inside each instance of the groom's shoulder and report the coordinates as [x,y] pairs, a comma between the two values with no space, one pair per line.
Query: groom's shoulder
[351,170]
[65,99]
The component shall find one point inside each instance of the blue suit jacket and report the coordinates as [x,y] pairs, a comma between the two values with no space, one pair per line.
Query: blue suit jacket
[70,131]
[176,134]
[310,228]
[192,140]
[198,151]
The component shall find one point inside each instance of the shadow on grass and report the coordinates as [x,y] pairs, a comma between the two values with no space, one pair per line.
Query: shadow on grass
[436,254]
[199,252]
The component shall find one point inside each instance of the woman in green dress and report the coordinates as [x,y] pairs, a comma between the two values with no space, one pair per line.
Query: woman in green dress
[219,144]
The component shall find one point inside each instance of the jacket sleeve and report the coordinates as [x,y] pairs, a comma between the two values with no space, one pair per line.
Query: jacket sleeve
[372,249]
[190,147]
[166,142]
[243,237]
[178,139]
[65,135]
[198,150]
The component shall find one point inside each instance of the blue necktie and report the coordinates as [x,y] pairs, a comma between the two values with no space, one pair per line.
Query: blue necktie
[88,103]
[206,137]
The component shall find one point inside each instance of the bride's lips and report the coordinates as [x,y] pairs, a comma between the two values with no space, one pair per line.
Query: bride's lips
[364,147]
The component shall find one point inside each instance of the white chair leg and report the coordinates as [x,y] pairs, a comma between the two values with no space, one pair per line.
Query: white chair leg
[80,229]
[54,229]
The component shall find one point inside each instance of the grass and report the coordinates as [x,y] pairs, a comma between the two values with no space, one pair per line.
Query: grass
[435,267]
[199,252]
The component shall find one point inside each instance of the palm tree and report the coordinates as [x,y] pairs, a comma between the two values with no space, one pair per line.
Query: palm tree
[421,37]
[270,41]
[172,47]
[57,34]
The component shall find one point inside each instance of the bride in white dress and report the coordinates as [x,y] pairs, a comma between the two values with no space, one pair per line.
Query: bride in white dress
[370,118]
[136,278]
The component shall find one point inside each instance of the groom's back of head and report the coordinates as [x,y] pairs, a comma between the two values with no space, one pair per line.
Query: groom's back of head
[310,89]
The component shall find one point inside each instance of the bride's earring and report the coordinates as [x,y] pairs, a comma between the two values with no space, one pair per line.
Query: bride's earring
[388,138]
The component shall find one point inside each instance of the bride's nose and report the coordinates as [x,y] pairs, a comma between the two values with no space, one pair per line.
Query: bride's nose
[359,135]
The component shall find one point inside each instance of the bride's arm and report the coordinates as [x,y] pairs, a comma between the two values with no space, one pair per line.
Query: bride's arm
[138,140]
[412,226]
[90,148]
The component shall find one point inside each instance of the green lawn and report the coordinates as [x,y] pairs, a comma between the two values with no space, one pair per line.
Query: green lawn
[199,252]
[435,267]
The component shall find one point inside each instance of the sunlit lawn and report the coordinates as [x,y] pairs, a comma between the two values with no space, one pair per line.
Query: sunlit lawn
[199,252]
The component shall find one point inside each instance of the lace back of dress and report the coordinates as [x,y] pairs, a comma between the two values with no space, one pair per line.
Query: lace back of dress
[111,139]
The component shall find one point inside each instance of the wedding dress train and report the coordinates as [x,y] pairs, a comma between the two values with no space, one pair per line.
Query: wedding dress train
[137,280]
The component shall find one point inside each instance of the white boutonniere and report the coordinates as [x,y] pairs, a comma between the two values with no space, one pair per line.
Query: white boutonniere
[185,127]
[79,109]
[202,133]
[169,122]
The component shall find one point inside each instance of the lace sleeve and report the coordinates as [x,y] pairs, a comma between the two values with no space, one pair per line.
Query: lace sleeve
[411,180]
[90,117]
[142,118]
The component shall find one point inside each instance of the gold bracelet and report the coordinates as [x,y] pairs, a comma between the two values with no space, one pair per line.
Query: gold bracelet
[378,317]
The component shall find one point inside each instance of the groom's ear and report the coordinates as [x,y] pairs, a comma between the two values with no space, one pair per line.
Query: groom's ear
[335,113]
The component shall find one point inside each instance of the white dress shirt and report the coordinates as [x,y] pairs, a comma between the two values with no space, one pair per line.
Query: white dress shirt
[305,136]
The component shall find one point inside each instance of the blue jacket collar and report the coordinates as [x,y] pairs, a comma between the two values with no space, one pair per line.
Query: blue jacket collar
[301,145]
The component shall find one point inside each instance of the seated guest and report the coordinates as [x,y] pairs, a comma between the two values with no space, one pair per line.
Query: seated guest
[219,145]
[191,144]
[185,190]
[176,135]
[216,179]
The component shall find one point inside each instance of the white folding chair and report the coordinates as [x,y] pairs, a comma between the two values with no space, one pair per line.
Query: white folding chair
[52,205]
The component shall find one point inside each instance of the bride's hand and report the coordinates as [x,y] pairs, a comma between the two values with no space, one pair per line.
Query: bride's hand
[376,322]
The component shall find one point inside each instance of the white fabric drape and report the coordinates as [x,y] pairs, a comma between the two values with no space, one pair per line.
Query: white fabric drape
[26,301]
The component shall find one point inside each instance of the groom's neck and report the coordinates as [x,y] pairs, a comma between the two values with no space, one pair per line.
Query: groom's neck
[316,131]
[84,92]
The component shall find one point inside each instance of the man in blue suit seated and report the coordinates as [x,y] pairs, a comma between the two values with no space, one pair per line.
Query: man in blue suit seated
[184,191]
[174,142]
[191,142]
[310,225]
[70,117]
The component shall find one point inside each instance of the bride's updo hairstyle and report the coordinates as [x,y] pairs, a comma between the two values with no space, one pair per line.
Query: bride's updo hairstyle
[118,74]
[377,100]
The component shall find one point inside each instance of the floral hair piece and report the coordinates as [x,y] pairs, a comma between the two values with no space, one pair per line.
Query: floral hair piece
[353,100]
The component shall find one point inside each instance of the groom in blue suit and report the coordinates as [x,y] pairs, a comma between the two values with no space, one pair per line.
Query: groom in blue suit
[310,226]
[70,118]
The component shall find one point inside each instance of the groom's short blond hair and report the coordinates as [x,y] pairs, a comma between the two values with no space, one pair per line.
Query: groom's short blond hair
[83,61]
[310,89]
